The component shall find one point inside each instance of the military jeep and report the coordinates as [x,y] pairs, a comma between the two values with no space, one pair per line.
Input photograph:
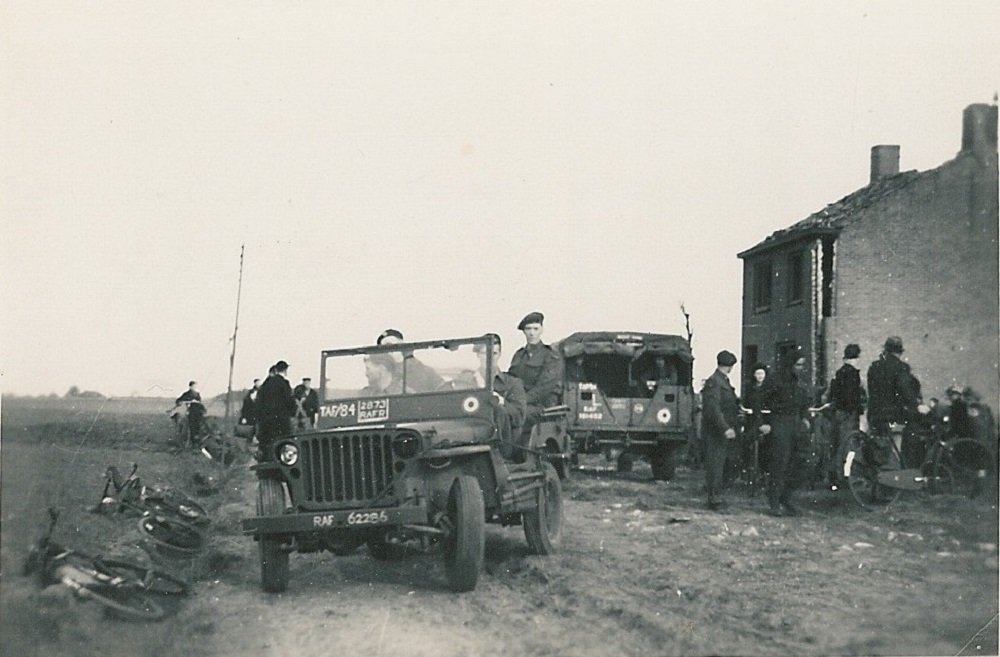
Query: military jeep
[407,455]
[629,393]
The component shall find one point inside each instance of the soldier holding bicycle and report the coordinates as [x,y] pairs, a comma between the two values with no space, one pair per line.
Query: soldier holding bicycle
[893,392]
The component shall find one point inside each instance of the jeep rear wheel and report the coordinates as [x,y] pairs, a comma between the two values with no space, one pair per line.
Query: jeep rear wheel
[273,559]
[465,529]
[543,525]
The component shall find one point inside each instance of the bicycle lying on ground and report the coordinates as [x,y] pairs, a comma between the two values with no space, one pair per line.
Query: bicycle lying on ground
[121,586]
[878,469]
[128,494]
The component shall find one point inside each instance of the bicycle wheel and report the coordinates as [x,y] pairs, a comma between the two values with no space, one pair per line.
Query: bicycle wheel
[971,465]
[862,468]
[178,504]
[150,579]
[173,536]
[125,602]
[942,477]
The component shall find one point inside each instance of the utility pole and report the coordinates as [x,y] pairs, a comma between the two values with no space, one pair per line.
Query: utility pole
[236,327]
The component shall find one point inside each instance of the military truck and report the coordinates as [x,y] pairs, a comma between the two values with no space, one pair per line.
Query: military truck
[629,394]
[409,454]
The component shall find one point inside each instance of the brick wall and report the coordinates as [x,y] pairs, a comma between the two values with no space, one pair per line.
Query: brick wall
[923,265]
[782,322]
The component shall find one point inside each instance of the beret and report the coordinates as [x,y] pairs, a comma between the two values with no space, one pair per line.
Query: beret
[725,358]
[852,351]
[387,333]
[280,366]
[531,318]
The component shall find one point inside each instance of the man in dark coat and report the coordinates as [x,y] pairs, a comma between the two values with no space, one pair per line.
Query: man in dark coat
[540,369]
[195,409]
[275,410]
[720,419]
[848,398]
[788,399]
[306,404]
[893,392]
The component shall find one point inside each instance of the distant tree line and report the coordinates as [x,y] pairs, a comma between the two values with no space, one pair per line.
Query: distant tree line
[75,392]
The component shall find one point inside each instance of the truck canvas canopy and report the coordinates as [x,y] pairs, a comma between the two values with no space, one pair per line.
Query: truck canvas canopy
[630,344]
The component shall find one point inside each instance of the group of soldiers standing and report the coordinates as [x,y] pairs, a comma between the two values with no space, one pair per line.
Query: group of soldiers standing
[776,411]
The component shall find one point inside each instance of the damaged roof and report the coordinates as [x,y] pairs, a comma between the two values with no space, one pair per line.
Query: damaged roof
[831,219]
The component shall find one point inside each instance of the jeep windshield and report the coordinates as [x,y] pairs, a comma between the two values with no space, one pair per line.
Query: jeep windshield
[404,369]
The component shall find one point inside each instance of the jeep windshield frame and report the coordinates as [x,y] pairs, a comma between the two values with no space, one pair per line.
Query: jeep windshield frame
[407,381]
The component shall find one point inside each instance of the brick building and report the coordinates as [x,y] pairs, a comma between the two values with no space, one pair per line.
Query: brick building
[912,254]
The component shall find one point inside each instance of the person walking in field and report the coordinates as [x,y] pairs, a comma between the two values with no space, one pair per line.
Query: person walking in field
[195,410]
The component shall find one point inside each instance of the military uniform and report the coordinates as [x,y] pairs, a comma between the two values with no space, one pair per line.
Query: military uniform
[275,410]
[540,369]
[788,399]
[720,412]
[848,399]
[893,392]
[307,405]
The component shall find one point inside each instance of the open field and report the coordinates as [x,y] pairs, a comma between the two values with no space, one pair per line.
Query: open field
[919,579]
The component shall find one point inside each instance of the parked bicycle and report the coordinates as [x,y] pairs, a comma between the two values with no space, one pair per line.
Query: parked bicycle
[878,468]
[753,457]
[121,586]
[123,494]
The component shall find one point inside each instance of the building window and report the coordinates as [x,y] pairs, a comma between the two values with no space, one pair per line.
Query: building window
[762,275]
[796,277]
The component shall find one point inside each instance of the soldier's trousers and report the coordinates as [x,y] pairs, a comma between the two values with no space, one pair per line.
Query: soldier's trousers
[717,447]
[787,444]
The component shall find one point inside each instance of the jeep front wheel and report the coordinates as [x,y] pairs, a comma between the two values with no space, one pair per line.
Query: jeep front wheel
[464,539]
[543,525]
[273,559]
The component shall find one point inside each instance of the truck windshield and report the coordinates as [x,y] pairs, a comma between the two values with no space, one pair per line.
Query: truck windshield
[406,371]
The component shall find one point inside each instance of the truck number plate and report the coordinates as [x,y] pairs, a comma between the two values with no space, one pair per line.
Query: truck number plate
[373,518]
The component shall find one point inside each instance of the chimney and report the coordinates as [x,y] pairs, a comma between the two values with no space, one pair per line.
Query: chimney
[979,129]
[885,162]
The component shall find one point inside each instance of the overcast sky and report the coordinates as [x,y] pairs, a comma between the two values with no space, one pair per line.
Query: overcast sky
[441,168]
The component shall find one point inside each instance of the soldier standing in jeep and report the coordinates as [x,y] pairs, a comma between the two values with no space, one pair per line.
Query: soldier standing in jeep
[540,369]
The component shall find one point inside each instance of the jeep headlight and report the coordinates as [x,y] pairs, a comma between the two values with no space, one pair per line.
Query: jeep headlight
[288,453]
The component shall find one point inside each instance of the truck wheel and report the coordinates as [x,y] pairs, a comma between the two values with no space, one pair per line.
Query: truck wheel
[663,461]
[625,462]
[273,560]
[543,525]
[463,545]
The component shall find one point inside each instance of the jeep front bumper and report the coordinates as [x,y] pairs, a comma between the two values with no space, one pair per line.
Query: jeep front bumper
[294,523]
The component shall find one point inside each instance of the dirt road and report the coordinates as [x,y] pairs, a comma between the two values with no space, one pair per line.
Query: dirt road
[644,570]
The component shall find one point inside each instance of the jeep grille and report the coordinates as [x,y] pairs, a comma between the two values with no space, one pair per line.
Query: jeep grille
[349,468]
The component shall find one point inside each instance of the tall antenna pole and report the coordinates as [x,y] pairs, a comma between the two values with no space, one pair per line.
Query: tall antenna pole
[236,327]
